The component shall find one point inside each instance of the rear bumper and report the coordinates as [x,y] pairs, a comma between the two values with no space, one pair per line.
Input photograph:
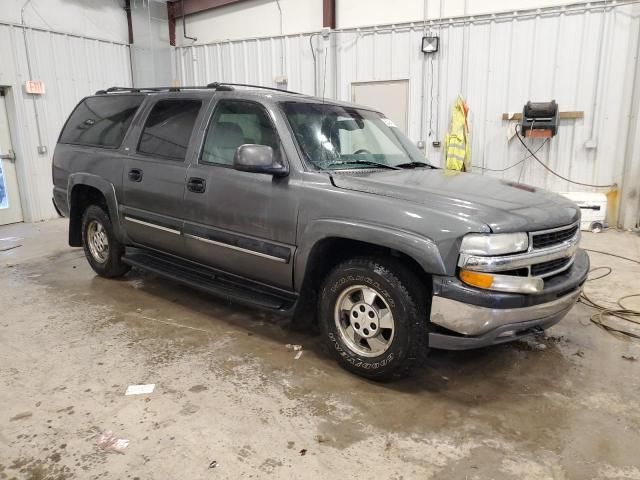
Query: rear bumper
[473,318]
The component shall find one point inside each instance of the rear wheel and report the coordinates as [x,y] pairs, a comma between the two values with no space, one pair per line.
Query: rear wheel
[101,247]
[373,313]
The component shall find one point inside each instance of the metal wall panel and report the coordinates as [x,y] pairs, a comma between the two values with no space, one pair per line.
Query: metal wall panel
[71,67]
[582,55]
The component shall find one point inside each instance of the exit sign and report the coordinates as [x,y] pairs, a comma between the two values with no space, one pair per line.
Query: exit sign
[34,86]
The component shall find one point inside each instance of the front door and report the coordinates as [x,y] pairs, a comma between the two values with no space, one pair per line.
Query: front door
[155,173]
[10,208]
[240,222]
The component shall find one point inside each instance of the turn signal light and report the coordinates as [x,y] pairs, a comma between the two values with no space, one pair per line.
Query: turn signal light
[477,279]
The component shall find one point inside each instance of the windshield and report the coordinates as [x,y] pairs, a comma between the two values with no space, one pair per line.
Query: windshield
[332,137]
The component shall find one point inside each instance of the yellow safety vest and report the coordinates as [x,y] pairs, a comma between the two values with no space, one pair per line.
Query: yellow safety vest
[458,142]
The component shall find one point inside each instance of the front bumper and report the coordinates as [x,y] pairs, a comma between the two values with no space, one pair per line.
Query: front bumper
[472,318]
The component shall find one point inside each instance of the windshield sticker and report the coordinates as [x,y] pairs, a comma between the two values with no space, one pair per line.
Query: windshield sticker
[388,122]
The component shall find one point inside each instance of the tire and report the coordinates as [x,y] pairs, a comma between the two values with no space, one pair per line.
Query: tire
[386,353]
[101,247]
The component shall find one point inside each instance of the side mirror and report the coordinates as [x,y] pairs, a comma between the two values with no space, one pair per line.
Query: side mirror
[259,159]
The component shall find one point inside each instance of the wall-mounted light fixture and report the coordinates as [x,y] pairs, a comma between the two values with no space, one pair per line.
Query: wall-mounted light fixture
[430,44]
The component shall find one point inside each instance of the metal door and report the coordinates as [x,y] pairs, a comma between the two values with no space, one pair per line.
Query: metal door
[10,208]
[240,222]
[388,97]
[154,181]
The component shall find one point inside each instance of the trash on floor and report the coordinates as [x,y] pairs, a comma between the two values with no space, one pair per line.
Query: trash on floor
[140,389]
[298,355]
[303,452]
[295,348]
[109,442]
[631,358]
[213,464]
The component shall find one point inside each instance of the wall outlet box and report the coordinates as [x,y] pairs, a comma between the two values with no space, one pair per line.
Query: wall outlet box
[281,80]
[325,32]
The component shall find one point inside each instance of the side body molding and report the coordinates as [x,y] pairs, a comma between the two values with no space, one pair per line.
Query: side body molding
[421,249]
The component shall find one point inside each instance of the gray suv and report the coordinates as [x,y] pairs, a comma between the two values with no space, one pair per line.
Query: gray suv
[315,208]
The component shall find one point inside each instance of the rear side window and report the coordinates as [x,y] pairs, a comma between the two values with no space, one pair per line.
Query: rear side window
[101,121]
[168,129]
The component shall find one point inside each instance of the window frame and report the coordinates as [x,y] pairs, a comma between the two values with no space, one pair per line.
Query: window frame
[217,105]
[93,145]
[150,108]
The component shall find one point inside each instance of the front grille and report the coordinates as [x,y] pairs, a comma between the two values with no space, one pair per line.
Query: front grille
[549,239]
[544,268]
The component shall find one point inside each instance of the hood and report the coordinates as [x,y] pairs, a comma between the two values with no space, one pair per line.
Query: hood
[503,206]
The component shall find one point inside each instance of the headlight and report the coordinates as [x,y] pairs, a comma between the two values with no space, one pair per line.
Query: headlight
[494,244]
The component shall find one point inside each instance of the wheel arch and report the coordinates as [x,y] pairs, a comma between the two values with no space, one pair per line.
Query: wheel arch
[84,190]
[326,243]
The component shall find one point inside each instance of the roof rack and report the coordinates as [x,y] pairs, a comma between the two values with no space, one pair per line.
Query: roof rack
[223,87]
[224,84]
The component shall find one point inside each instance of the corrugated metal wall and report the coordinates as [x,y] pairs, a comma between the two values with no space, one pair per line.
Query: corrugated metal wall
[583,56]
[71,68]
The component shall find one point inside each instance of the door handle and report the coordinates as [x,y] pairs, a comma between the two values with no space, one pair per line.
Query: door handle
[135,175]
[196,185]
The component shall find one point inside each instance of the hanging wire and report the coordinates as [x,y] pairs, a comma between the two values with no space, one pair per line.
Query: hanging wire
[553,171]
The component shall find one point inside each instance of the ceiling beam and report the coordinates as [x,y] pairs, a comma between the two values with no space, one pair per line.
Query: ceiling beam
[329,13]
[195,6]
[127,8]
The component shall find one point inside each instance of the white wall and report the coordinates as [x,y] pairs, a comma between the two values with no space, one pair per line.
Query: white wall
[72,65]
[357,13]
[260,18]
[251,18]
[93,18]
[480,58]
[150,52]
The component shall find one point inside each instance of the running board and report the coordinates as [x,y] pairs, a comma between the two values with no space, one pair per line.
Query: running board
[209,280]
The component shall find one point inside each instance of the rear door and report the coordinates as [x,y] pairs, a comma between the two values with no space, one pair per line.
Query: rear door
[240,222]
[10,208]
[155,172]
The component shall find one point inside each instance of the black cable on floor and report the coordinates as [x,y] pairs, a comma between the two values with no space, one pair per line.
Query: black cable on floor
[603,312]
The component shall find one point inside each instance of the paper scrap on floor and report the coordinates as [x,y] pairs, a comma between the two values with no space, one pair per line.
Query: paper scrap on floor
[140,389]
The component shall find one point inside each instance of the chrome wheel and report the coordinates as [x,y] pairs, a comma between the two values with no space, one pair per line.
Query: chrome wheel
[364,320]
[98,241]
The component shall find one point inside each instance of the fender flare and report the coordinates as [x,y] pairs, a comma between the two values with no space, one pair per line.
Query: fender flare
[422,249]
[107,189]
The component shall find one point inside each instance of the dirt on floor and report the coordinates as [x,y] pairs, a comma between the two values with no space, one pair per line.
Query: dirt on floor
[232,401]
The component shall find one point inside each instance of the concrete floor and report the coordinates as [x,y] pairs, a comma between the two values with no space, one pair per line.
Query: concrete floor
[227,388]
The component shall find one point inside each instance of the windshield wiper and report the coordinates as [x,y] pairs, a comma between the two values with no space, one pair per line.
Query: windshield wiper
[364,162]
[414,165]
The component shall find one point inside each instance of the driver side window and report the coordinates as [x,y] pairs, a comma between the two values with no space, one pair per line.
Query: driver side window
[236,123]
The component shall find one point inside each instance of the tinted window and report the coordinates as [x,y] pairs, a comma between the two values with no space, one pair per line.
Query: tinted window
[168,128]
[101,121]
[236,123]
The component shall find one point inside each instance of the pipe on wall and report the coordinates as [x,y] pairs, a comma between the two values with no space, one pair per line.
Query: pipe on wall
[41,148]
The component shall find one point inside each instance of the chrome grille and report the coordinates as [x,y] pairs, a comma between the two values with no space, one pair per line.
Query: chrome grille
[553,237]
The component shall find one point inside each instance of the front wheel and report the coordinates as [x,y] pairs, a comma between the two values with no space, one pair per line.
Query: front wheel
[101,247]
[373,314]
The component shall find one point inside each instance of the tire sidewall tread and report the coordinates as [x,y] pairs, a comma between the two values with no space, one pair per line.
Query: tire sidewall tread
[405,295]
[113,267]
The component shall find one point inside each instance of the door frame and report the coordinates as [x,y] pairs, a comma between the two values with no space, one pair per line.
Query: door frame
[20,164]
[395,80]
